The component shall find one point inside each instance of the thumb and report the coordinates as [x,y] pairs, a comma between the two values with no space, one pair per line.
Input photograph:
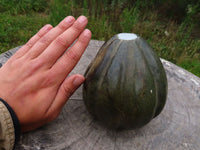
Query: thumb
[69,86]
[66,89]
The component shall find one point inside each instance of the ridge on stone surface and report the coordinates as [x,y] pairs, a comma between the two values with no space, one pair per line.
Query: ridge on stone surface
[177,127]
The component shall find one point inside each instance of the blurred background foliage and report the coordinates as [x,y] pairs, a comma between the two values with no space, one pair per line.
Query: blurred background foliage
[172,27]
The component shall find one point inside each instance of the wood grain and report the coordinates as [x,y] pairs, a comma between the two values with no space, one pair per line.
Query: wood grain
[176,128]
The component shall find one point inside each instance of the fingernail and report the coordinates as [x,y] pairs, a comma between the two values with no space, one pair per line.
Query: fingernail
[87,33]
[82,19]
[47,27]
[69,19]
[78,81]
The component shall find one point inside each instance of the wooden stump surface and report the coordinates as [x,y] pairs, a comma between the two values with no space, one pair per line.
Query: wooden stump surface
[176,128]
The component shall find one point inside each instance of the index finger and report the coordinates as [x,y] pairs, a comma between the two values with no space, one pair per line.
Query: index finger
[69,59]
[62,42]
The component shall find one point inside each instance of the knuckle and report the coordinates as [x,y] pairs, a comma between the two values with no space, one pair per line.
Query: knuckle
[48,80]
[40,34]
[35,65]
[44,30]
[31,67]
[67,90]
[81,41]
[30,43]
[77,28]
[80,45]
[70,54]
[60,41]
[45,39]
[62,26]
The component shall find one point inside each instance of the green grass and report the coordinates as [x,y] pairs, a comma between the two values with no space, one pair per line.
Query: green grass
[191,65]
[170,35]
[16,30]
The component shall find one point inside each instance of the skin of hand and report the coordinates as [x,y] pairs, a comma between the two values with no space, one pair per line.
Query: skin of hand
[35,82]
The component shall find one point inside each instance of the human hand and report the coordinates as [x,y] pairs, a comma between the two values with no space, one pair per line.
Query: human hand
[34,80]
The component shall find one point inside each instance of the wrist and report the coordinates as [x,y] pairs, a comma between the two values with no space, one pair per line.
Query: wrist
[15,120]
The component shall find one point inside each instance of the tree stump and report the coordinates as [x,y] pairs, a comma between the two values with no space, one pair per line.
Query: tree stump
[176,128]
